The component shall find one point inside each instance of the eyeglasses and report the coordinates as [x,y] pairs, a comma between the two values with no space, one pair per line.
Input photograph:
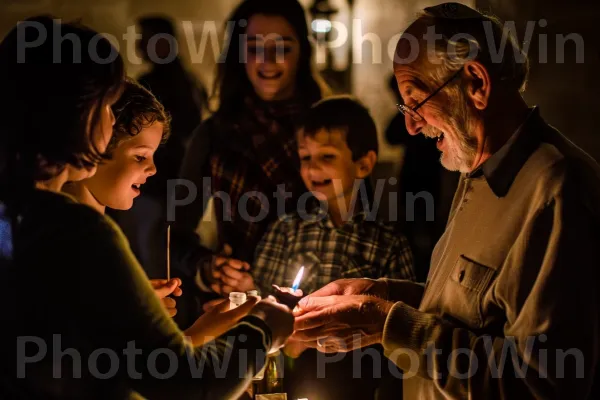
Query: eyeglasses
[412,112]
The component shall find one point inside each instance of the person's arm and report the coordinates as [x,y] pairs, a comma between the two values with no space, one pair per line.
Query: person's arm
[117,310]
[271,257]
[548,346]
[404,290]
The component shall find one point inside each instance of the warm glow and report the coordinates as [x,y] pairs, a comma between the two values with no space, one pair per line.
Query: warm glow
[298,279]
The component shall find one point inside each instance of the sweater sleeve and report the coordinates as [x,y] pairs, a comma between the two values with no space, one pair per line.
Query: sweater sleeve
[404,290]
[548,345]
[118,310]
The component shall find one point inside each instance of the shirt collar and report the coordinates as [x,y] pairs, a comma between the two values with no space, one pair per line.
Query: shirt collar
[501,169]
[317,213]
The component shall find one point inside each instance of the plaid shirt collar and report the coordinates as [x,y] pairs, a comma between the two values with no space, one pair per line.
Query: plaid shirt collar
[317,214]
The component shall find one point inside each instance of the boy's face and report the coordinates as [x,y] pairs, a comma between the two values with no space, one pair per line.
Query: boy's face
[326,165]
[117,181]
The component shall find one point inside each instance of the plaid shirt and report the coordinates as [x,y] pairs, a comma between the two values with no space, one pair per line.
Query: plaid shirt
[361,248]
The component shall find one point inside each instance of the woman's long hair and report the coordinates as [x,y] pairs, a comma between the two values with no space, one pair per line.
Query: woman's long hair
[232,85]
[51,97]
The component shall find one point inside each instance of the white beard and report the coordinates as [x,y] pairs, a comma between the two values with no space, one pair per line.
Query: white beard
[461,148]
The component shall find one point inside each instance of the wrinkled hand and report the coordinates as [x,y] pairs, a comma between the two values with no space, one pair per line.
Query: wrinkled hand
[218,320]
[163,288]
[341,323]
[344,287]
[278,318]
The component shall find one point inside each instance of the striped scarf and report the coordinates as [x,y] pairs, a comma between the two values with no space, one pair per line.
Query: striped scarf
[255,157]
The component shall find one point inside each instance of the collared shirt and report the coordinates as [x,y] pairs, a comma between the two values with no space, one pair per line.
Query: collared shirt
[501,168]
[360,248]
[514,277]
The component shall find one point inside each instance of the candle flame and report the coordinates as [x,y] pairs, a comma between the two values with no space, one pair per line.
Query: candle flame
[298,279]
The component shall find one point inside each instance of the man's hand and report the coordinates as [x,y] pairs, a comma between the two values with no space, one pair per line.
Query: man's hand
[344,287]
[341,323]
[217,320]
[163,288]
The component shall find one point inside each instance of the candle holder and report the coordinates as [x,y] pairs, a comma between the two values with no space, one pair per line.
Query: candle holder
[290,299]
[286,298]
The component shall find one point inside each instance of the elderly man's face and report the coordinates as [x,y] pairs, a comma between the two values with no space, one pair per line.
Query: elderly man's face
[447,117]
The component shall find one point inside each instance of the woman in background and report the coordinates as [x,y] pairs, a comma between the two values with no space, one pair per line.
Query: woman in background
[80,304]
[247,148]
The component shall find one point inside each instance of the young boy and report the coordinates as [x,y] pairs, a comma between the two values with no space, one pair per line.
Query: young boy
[337,238]
[141,125]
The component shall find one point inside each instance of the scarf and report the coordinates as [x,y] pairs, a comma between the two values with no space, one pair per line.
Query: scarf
[256,153]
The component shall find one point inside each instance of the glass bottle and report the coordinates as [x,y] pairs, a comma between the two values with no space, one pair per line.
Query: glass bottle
[272,383]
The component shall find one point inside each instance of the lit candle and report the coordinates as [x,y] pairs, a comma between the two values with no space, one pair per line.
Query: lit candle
[298,279]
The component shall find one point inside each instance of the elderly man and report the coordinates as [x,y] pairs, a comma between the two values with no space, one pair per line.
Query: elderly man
[511,305]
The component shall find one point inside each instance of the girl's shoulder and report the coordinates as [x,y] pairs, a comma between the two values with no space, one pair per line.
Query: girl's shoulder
[60,215]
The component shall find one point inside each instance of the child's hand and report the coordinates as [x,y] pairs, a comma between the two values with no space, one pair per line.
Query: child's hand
[221,271]
[233,277]
[217,320]
[163,289]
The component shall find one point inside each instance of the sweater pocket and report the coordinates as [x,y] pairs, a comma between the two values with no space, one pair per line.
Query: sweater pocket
[463,291]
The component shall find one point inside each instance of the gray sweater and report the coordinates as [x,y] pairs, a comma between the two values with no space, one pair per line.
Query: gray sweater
[511,306]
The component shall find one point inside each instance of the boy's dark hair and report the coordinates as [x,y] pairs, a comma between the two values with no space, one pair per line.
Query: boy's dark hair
[136,109]
[348,114]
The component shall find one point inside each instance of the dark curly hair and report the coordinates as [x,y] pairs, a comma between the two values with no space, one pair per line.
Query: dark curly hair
[137,109]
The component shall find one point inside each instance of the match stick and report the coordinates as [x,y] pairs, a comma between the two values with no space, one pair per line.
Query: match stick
[168,252]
